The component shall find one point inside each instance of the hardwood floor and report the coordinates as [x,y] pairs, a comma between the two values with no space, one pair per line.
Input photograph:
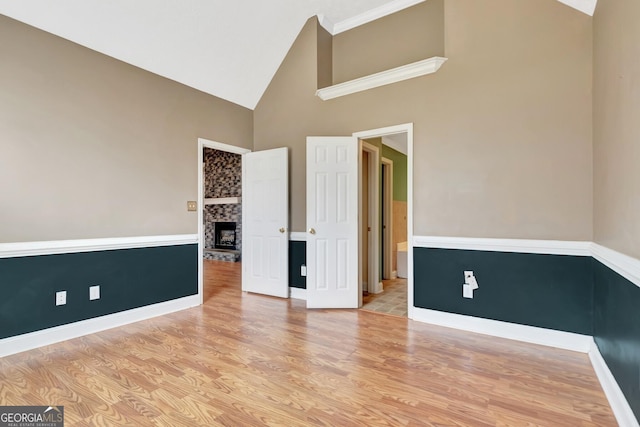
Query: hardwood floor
[248,360]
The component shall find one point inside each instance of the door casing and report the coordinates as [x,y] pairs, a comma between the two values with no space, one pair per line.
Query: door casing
[387,215]
[372,249]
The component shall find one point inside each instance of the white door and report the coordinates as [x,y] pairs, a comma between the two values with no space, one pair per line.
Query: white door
[332,222]
[265,218]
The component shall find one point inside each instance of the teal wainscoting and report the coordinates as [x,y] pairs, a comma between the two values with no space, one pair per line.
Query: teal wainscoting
[617,329]
[297,258]
[547,291]
[128,279]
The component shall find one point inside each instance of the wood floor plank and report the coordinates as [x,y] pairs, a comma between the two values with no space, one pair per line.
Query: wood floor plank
[251,360]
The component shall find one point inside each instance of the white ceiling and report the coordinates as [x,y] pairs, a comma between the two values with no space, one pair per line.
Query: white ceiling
[230,49]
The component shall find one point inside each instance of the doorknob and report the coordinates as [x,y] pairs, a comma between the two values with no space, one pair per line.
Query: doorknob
[312,231]
[282,229]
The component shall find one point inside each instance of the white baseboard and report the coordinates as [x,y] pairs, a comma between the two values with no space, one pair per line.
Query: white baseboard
[20,343]
[513,331]
[619,405]
[297,293]
[378,288]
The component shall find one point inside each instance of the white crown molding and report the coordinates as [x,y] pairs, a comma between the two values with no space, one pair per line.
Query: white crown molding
[298,236]
[20,343]
[547,247]
[298,293]
[22,249]
[513,331]
[326,23]
[584,6]
[372,15]
[394,75]
[619,405]
[626,266]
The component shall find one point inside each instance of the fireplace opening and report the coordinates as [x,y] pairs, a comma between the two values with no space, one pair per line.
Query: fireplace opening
[225,235]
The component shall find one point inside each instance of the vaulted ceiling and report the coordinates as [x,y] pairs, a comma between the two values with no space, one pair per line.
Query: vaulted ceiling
[230,49]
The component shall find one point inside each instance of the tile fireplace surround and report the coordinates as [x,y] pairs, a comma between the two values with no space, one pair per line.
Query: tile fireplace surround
[222,179]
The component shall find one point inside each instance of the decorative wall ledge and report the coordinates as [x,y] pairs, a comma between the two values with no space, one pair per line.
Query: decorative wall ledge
[394,75]
[222,201]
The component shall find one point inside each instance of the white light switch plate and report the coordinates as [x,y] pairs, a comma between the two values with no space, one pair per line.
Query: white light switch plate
[303,270]
[94,292]
[467,291]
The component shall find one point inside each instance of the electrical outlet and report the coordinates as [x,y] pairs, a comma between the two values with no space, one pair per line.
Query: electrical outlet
[303,270]
[61,297]
[192,206]
[94,292]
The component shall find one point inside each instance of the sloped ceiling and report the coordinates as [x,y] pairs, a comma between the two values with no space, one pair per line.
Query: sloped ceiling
[230,49]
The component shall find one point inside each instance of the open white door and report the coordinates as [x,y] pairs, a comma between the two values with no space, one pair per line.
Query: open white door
[332,222]
[265,219]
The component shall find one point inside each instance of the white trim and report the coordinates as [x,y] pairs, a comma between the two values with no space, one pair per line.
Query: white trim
[298,293]
[205,143]
[326,23]
[371,15]
[298,236]
[373,249]
[20,343]
[619,404]
[202,144]
[584,6]
[547,247]
[624,265]
[513,331]
[394,75]
[387,214]
[22,249]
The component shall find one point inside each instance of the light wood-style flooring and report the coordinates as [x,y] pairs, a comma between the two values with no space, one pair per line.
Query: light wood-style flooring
[249,360]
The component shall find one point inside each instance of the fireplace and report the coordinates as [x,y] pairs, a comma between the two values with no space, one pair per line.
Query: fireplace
[225,235]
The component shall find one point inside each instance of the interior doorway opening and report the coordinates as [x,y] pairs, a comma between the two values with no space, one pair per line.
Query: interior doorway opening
[385,219]
[219,206]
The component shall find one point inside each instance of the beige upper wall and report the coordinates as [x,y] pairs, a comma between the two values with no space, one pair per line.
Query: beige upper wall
[408,36]
[92,147]
[502,133]
[616,125]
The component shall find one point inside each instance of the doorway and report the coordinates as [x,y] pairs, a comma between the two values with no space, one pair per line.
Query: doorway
[219,205]
[387,252]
